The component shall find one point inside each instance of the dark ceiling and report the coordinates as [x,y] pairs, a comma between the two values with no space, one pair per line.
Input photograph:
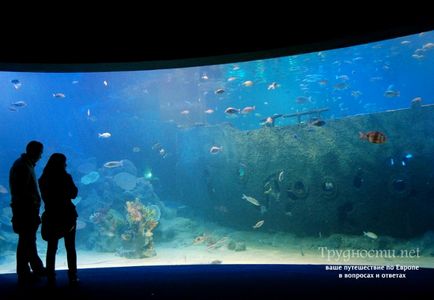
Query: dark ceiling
[198,44]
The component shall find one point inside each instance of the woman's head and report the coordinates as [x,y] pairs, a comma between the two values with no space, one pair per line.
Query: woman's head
[56,162]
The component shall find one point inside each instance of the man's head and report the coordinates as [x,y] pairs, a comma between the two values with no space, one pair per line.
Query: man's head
[34,151]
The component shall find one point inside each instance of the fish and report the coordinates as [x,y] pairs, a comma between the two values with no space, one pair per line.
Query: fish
[215,149]
[247,109]
[232,110]
[16,105]
[273,86]
[104,135]
[126,236]
[428,46]
[19,104]
[258,224]
[59,95]
[105,82]
[247,83]
[162,152]
[114,164]
[269,190]
[209,111]
[251,200]
[219,91]
[375,137]
[281,175]
[318,122]
[391,93]
[370,235]
[342,77]
[416,102]
[157,146]
[269,121]
[17,84]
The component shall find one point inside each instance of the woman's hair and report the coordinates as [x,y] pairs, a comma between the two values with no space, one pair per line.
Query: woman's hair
[56,164]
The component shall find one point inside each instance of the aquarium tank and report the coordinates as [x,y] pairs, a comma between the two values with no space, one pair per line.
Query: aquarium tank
[316,158]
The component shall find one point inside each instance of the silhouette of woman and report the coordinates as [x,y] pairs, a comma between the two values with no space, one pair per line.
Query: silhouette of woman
[60,216]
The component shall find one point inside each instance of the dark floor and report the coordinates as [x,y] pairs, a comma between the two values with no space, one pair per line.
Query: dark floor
[221,282]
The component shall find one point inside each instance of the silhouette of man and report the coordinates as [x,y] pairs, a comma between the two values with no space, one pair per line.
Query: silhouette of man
[60,216]
[25,204]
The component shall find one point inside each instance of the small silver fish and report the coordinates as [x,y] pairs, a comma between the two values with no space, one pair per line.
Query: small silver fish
[247,83]
[258,224]
[215,149]
[391,93]
[219,91]
[370,234]
[232,110]
[59,95]
[114,164]
[281,175]
[104,135]
[273,86]
[251,200]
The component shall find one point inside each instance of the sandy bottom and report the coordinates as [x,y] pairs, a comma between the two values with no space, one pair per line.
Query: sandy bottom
[176,243]
[200,254]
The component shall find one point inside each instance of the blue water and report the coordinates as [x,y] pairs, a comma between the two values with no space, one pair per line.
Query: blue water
[142,108]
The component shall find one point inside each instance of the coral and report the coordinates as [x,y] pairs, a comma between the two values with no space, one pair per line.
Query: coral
[142,220]
[135,211]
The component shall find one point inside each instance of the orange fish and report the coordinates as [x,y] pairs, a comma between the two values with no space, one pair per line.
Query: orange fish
[375,137]
[248,109]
